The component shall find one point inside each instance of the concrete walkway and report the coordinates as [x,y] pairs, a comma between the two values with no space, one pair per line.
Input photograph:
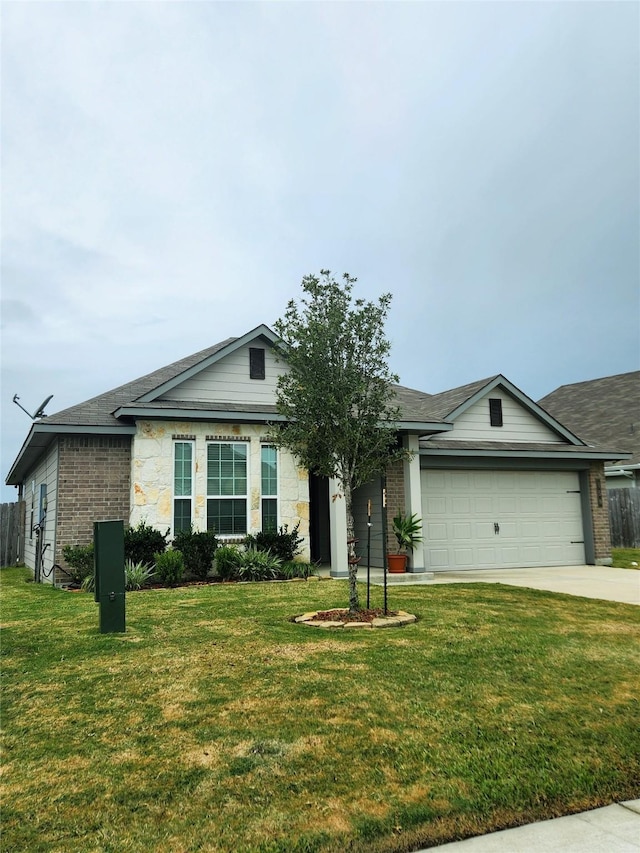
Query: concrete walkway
[612,829]
[601,582]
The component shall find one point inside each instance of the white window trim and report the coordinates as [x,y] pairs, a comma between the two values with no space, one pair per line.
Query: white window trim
[230,537]
[275,497]
[175,497]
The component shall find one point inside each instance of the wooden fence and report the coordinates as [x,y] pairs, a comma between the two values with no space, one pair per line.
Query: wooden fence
[11,526]
[624,516]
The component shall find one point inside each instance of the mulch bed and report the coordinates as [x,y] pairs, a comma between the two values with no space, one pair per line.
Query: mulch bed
[345,616]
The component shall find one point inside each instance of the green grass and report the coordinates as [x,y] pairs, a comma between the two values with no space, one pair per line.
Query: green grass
[623,558]
[215,724]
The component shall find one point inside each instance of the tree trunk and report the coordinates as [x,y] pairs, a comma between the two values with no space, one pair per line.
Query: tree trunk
[354,603]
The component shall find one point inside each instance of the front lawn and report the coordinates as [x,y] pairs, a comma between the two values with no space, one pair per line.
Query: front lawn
[215,724]
[626,558]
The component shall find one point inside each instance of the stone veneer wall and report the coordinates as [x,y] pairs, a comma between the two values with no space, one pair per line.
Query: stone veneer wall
[94,477]
[600,514]
[152,475]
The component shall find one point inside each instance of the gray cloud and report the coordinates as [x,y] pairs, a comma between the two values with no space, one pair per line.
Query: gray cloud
[170,171]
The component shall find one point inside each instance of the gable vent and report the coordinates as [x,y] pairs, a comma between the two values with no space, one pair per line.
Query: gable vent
[256,363]
[495,412]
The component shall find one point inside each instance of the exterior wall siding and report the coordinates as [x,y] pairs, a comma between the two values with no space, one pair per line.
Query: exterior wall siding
[370,491]
[45,473]
[518,423]
[600,514]
[94,485]
[228,381]
[152,475]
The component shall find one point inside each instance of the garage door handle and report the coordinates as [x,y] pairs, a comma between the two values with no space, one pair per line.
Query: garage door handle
[577,541]
[496,527]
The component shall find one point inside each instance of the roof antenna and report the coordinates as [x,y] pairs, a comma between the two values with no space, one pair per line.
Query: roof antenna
[39,412]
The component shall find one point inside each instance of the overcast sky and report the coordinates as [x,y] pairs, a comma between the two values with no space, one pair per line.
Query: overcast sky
[171,170]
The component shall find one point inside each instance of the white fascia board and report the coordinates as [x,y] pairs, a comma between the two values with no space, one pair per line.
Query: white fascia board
[197,415]
[518,454]
[41,435]
[422,428]
[259,332]
[71,429]
[502,382]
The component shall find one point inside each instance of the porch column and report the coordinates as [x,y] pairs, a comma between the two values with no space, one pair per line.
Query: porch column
[338,531]
[413,495]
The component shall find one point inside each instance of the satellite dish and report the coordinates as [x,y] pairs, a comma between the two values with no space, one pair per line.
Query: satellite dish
[39,412]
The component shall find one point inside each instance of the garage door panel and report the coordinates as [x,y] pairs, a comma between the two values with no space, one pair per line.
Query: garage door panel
[529,505]
[438,559]
[436,532]
[532,530]
[461,506]
[483,506]
[509,555]
[435,506]
[486,557]
[538,513]
[461,530]
[464,557]
[484,530]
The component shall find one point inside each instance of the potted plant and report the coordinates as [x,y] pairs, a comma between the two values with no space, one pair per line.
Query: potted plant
[406,529]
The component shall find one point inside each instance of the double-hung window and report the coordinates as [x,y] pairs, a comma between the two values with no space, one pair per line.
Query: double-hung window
[269,488]
[227,487]
[182,485]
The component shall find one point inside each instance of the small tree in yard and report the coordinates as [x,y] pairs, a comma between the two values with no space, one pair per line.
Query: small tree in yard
[337,397]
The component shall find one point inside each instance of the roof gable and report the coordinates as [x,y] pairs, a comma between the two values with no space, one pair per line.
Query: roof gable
[534,423]
[261,334]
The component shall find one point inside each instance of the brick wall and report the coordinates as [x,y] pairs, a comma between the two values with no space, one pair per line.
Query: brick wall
[395,499]
[600,514]
[93,485]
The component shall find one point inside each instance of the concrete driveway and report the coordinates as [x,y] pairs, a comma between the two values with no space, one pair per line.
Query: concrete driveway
[602,582]
[587,581]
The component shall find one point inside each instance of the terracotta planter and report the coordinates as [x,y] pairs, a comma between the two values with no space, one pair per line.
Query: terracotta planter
[397,563]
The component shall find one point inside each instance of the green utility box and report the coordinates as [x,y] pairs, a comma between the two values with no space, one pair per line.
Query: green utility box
[108,548]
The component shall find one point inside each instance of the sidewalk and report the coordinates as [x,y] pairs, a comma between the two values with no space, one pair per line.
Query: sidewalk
[612,829]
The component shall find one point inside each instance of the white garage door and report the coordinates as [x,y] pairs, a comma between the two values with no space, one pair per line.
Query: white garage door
[501,519]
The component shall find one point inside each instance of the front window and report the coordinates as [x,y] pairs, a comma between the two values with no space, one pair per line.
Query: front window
[269,465]
[182,485]
[227,488]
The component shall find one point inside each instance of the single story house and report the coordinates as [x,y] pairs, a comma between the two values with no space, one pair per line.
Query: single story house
[496,479]
[604,411]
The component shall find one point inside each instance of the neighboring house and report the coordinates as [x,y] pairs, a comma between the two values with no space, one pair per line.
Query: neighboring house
[496,479]
[604,412]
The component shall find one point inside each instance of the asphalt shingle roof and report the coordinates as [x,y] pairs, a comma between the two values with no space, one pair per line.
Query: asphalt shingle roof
[98,411]
[602,411]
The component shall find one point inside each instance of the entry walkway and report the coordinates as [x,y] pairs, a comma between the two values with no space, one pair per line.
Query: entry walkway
[612,829]
[601,582]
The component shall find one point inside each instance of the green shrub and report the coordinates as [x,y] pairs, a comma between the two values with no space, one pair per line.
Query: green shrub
[284,545]
[258,565]
[137,575]
[169,567]
[142,543]
[88,583]
[291,569]
[79,559]
[198,549]
[227,561]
